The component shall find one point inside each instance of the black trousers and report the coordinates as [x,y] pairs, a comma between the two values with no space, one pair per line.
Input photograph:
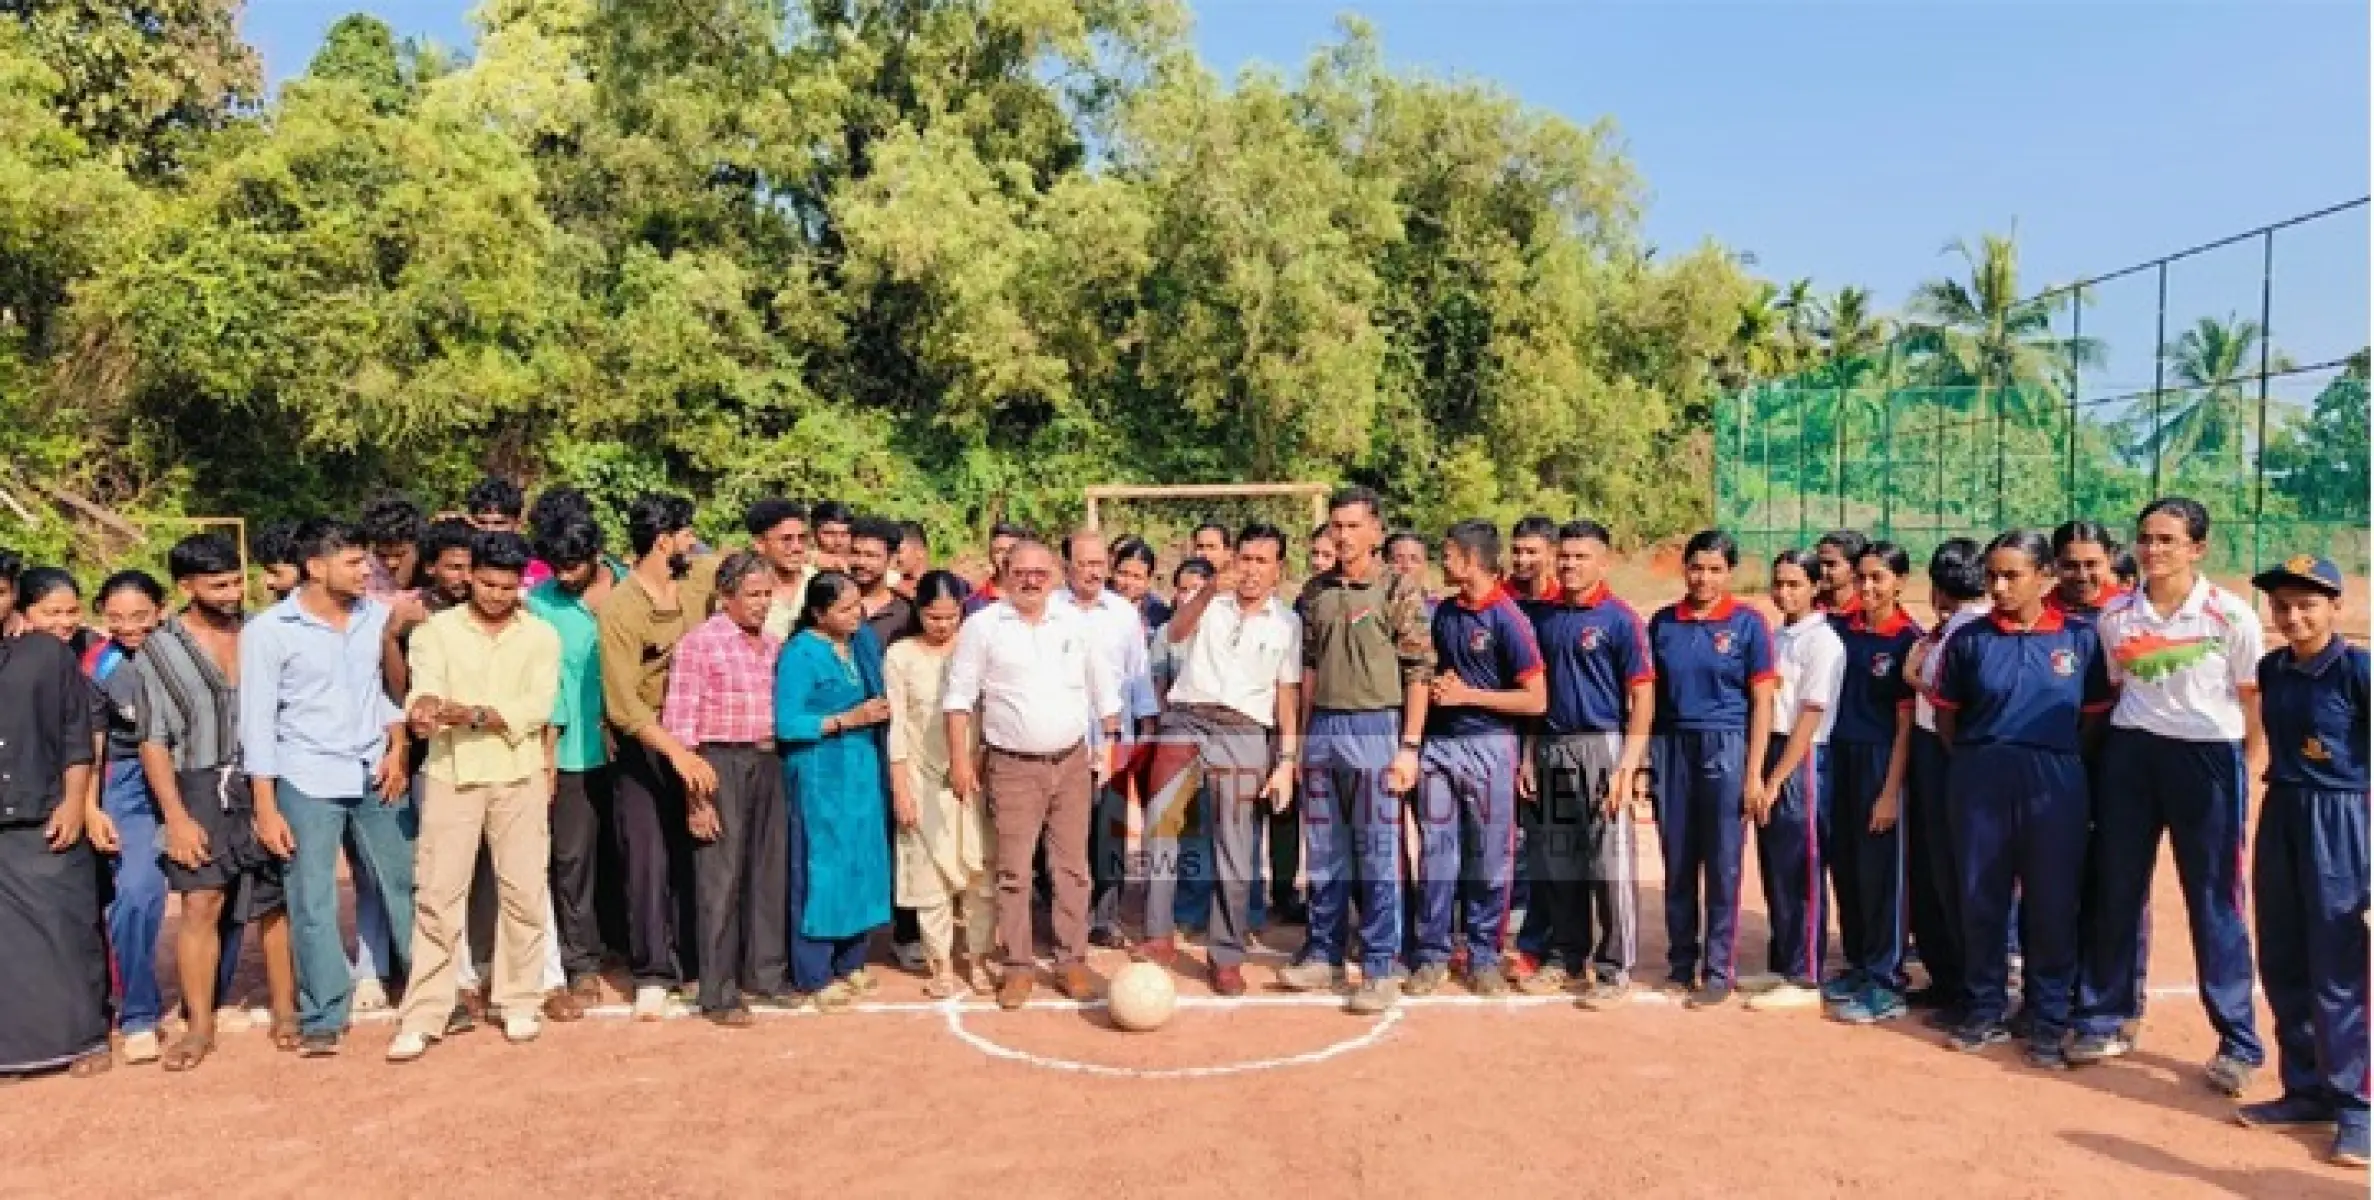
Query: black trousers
[581,803]
[655,849]
[1285,856]
[742,880]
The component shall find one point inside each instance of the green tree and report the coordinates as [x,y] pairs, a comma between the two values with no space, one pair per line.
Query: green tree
[142,78]
[2214,413]
[2318,460]
[1985,334]
[361,50]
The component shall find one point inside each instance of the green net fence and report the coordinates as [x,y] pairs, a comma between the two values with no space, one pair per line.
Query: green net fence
[2281,463]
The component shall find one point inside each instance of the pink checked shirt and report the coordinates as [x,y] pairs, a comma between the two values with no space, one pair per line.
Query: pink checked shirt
[722,686]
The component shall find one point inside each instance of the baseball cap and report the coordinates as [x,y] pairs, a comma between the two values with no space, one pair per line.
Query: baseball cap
[2301,570]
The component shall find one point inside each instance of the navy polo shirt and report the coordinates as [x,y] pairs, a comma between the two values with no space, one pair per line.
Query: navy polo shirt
[1489,645]
[2082,614]
[2315,713]
[1873,691]
[1706,664]
[1595,648]
[2032,689]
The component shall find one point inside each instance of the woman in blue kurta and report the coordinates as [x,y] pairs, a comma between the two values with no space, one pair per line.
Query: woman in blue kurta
[829,716]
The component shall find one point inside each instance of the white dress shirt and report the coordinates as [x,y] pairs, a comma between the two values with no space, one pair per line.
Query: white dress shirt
[1040,686]
[1119,635]
[1240,660]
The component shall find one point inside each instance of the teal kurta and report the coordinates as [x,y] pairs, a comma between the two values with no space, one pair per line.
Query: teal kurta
[837,781]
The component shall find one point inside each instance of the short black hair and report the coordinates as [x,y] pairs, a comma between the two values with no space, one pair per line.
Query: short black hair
[391,518]
[1584,529]
[35,585]
[1262,531]
[201,554]
[876,529]
[2185,509]
[1957,570]
[451,533]
[555,505]
[1125,548]
[1215,527]
[129,581]
[766,514]
[1365,497]
[275,545]
[1008,529]
[1399,536]
[1193,566]
[1850,542]
[321,537]
[569,540]
[2070,533]
[498,551]
[12,564]
[1535,526]
[1890,555]
[1479,538]
[2030,542]
[830,512]
[496,495]
[1711,541]
[653,516]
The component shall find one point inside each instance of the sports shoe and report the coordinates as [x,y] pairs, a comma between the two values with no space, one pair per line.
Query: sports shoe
[1550,980]
[231,1018]
[1427,978]
[2089,1049]
[909,955]
[460,1021]
[370,996]
[318,1045]
[2132,1030]
[1875,1005]
[1784,997]
[407,1047]
[1843,987]
[1602,996]
[1314,975]
[1228,981]
[2229,1074]
[1161,951]
[2019,1022]
[1713,995]
[141,1047]
[1930,999]
[1374,996]
[1520,967]
[2288,1112]
[2046,1056]
[1488,983]
[2349,1141]
[651,1003]
[1972,1037]
[520,1030]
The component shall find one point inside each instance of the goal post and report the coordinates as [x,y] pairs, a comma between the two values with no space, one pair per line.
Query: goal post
[1098,495]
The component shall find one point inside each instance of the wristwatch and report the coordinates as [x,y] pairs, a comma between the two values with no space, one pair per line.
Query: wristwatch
[477,716]
[1412,743]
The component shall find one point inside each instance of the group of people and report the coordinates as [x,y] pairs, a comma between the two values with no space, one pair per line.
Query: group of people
[731,771]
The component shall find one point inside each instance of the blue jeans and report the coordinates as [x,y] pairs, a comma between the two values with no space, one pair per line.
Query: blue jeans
[382,835]
[371,957]
[136,919]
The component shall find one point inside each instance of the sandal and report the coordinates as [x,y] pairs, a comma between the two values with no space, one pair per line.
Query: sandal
[978,978]
[186,1052]
[97,1062]
[285,1034]
[836,997]
[862,982]
[944,985]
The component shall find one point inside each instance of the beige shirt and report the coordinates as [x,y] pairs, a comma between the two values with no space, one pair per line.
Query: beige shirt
[913,679]
[515,671]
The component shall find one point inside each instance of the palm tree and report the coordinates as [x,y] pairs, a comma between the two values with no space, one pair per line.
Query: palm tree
[2210,363]
[1853,338]
[1801,315]
[1758,349]
[1983,334]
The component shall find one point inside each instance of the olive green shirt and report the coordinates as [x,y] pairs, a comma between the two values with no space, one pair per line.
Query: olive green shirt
[638,646]
[1365,641]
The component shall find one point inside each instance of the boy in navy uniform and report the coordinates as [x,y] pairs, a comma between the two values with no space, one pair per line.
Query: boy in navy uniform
[1491,675]
[2309,876]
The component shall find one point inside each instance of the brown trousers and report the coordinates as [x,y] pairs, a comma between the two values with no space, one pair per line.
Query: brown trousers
[1032,799]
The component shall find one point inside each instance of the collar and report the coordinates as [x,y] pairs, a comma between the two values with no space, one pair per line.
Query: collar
[295,613]
[1721,611]
[1852,607]
[2322,662]
[1498,593]
[1271,605]
[1592,598]
[2050,620]
[988,592]
[1859,620]
[1545,590]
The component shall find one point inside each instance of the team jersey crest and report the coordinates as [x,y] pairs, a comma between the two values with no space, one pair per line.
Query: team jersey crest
[1882,664]
[1479,640]
[2064,662]
[2314,750]
[1724,641]
[1591,637]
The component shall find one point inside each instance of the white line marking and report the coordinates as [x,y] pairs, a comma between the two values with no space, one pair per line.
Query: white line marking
[1375,1032]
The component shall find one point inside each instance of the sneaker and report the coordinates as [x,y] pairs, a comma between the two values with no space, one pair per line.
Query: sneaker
[460,1021]
[587,989]
[1713,995]
[1427,978]
[1973,1037]
[1488,983]
[2046,1056]
[1784,997]
[2020,1023]
[1602,996]
[1548,981]
[370,996]
[737,1017]
[407,1047]
[1312,976]
[232,1019]
[651,1003]
[2349,1141]
[1520,967]
[2089,1049]
[1676,988]
[1374,997]
[1843,987]
[2131,1030]
[908,954]
[521,1030]
[1759,983]
[318,1045]
[1228,981]
[1872,1007]
[1930,999]
[2229,1074]
[2288,1112]
[1944,1020]
[141,1047]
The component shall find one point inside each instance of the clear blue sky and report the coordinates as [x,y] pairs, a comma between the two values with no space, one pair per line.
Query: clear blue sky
[1847,140]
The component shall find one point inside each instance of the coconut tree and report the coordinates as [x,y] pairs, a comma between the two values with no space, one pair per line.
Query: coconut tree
[2215,412]
[1985,334]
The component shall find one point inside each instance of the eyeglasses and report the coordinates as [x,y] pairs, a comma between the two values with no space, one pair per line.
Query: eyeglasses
[1037,575]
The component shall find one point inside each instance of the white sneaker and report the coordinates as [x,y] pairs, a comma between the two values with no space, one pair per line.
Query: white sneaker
[232,1019]
[519,1030]
[1784,997]
[141,1047]
[370,996]
[651,1003]
[407,1046]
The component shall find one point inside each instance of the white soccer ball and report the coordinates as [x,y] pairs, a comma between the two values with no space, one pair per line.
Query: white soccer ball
[1141,997]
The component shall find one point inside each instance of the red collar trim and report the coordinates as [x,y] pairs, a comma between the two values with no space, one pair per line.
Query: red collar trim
[1720,612]
[1590,599]
[1859,620]
[2050,621]
[1546,591]
[1498,593]
[1852,607]
[2055,602]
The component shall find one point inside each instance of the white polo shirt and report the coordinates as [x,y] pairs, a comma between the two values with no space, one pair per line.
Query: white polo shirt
[1240,660]
[1040,685]
[1812,665]
[2183,677]
[1924,713]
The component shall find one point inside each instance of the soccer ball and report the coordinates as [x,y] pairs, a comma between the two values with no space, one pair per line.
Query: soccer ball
[1141,997]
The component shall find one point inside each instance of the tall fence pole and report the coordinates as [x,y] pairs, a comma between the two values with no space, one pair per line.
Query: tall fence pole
[2258,500]
[2076,393]
[1887,470]
[2159,376]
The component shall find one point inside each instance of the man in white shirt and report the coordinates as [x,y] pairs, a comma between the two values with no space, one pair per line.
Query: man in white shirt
[1029,669]
[1117,635]
[1240,677]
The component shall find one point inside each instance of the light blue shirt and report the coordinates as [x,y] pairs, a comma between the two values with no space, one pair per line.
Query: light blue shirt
[313,706]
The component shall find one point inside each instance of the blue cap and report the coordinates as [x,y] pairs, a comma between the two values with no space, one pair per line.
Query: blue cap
[2301,570]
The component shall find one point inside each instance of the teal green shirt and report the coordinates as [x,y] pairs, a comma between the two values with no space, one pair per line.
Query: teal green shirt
[578,710]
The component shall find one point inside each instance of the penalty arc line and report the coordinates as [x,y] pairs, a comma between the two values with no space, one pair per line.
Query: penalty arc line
[1375,1033]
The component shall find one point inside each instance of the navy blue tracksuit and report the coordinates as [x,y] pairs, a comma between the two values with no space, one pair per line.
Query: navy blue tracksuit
[1707,666]
[2310,876]
[1867,869]
[2018,804]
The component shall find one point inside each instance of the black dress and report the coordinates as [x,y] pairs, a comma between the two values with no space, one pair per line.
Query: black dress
[53,988]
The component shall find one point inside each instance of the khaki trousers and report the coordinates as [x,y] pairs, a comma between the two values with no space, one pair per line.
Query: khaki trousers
[513,821]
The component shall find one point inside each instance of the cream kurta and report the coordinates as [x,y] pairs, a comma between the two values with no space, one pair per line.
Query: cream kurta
[949,849]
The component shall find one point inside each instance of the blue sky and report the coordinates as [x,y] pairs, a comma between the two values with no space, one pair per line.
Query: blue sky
[1847,140]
